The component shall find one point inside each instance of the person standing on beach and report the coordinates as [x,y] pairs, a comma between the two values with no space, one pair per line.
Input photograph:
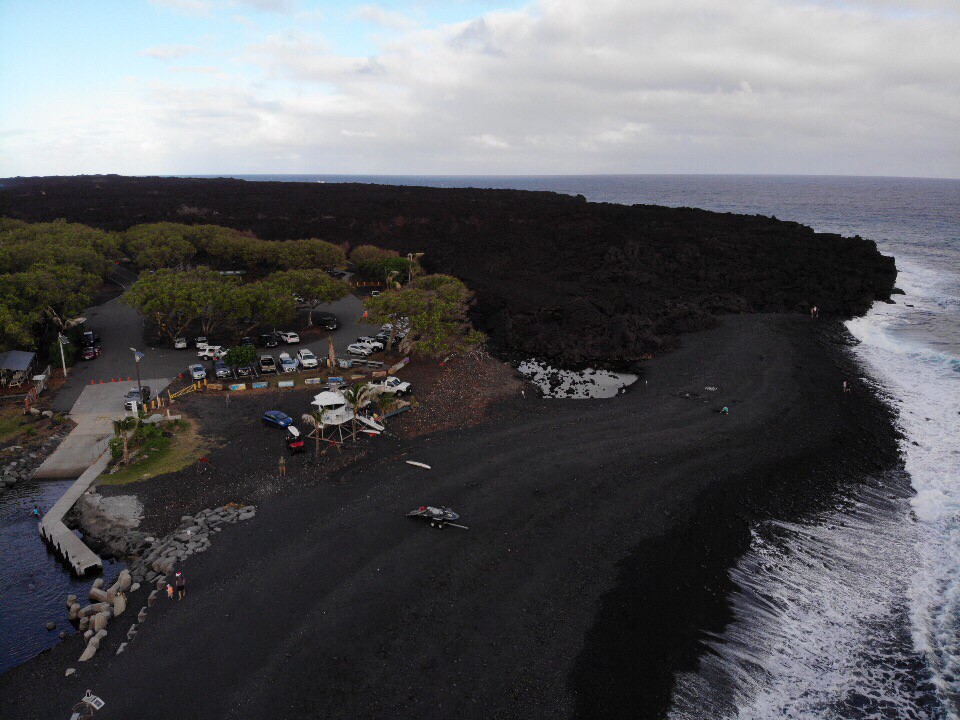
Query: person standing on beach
[181,586]
[169,591]
[283,466]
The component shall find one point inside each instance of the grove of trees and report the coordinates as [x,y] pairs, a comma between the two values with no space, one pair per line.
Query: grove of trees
[49,273]
[175,300]
[435,307]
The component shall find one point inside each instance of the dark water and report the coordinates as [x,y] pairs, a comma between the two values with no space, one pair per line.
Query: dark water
[33,584]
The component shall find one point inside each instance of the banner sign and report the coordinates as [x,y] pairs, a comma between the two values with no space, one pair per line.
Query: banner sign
[239,386]
[214,386]
[312,381]
[379,373]
[333,380]
[285,383]
[259,385]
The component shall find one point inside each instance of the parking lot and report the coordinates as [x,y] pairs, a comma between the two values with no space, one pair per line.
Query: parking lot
[121,329]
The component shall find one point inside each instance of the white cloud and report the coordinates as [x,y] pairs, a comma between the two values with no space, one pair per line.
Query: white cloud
[799,86]
[385,18]
[170,52]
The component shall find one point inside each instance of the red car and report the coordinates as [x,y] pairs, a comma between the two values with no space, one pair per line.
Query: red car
[90,353]
[294,440]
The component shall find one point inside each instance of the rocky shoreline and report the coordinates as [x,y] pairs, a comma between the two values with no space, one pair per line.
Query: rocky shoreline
[20,462]
[153,562]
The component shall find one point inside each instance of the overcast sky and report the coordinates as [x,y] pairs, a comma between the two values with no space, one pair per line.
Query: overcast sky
[857,87]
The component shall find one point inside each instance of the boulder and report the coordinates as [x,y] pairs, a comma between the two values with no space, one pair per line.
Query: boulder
[98,583]
[132,631]
[119,604]
[51,625]
[98,595]
[134,587]
[69,672]
[88,653]
[84,624]
[71,600]
[142,615]
[75,611]
[123,646]
[124,581]
[152,598]
[94,609]
[100,620]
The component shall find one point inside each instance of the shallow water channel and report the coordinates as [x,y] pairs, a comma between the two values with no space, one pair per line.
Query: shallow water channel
[33,583]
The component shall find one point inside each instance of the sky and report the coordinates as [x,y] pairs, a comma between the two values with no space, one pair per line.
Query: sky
[461,87]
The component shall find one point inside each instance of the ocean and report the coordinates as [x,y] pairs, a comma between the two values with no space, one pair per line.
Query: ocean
[855,612]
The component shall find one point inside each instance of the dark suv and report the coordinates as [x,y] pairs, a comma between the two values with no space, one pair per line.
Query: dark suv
[268,340]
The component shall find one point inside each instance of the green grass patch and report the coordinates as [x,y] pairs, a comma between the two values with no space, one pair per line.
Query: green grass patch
[12,423]
[161,455]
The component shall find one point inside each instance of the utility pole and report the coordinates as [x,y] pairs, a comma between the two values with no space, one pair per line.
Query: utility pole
[137,356]
[63,341]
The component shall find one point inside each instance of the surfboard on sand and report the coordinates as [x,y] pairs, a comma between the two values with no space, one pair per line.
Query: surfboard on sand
[418,464]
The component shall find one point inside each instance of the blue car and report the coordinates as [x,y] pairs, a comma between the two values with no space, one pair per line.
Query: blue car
[275,418]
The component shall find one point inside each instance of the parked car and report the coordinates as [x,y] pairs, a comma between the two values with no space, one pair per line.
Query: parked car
[221,369]
[307,358]
[91,352]
[392,385]
[268,340]
[290,338]
[211,352]
[244,371]
[197,372]
[275,418]
[358,349]
[267,364]
[180,343]
[288,364]
[374,293]
[200,342]
[89,339]
[327,321]
[371,342]
[247,341]
[136,397]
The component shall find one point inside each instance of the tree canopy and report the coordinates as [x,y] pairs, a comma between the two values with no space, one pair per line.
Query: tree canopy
[435,307]
[49,273]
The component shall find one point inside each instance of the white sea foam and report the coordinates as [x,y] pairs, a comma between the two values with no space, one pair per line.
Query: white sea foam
[577,385]
[856,613]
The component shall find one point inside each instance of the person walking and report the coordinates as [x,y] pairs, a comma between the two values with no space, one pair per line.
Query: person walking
[169,591]
[283,466]
[36,512]
[181,586]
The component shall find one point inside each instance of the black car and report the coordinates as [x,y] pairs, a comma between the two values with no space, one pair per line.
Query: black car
[326,320]
[90,339]
[244,371]
[247,341]
[268,340]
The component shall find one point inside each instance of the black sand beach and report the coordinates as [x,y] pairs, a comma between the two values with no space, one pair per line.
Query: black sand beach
[599,538]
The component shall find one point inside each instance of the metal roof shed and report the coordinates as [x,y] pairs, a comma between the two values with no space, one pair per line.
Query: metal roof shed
[16,360]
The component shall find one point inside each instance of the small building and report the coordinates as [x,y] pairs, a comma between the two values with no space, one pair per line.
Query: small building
[15,367]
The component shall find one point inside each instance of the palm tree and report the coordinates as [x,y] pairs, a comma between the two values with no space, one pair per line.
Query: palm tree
[317,416]
[120,428]
[357,396]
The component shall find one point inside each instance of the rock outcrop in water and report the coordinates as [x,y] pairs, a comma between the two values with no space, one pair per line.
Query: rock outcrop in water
[556,277]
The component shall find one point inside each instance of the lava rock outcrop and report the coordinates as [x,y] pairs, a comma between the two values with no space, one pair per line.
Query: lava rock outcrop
[556,277]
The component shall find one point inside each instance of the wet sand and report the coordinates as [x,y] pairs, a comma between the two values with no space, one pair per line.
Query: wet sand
[599,537]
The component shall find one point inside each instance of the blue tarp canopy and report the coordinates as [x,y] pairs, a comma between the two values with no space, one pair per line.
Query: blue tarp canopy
[16,360]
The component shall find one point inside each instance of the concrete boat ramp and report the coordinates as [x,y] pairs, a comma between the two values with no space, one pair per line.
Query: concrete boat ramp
[83,455]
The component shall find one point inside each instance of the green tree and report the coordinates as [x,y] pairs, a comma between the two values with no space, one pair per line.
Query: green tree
[120,429]
[309,253]
[370,253]
[159,245]
[315,286]
[169,299]
[435,308]
[385,269]
[240,356]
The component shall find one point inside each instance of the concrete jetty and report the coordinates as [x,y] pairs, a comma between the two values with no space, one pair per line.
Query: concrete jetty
[61,538]
[84,452]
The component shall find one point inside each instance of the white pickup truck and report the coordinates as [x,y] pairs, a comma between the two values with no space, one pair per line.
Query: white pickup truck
[392,385]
